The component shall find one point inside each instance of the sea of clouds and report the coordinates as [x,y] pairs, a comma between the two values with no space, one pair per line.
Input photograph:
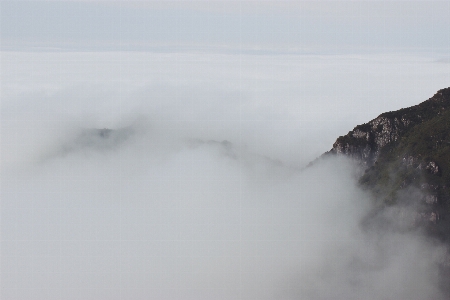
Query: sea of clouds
[181,176]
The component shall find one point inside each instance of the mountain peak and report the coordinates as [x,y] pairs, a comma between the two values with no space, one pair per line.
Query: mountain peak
[403,150]
[366,141]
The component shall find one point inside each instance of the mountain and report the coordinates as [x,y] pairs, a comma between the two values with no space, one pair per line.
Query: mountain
[405,155]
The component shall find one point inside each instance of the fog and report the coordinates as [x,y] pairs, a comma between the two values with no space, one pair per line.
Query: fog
[182,176]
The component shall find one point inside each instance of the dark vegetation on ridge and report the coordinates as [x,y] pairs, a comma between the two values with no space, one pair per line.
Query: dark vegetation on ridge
[407,150]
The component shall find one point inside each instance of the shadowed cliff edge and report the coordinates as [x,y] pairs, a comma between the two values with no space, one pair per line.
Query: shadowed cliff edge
[404,157]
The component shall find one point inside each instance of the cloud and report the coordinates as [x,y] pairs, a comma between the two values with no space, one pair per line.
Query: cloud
[175,176]
[289,106]
[157,217]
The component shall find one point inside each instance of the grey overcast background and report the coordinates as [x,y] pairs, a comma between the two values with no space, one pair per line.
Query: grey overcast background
[216,107]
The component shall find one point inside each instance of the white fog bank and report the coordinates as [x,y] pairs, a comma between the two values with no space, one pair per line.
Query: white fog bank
[180,176]
[289,106]
[135,213]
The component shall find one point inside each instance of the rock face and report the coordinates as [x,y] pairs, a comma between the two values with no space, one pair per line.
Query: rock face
[405,157]
[365,142]
[406,150]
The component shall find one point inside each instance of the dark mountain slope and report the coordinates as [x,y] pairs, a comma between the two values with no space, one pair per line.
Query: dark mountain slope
[406,157]
[366,141]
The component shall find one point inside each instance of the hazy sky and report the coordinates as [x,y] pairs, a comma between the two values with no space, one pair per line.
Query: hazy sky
[216,107]
[300,26]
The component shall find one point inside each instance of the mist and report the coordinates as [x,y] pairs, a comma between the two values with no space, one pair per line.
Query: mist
[187,180]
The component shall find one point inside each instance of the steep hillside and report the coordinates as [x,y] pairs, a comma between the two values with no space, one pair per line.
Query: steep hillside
[406,157]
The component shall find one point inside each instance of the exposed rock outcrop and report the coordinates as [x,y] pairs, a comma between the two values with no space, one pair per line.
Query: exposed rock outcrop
[403,150]
[405,160]
[365,142]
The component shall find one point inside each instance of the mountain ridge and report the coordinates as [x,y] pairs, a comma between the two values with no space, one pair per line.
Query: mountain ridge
[387,127]
[404,150]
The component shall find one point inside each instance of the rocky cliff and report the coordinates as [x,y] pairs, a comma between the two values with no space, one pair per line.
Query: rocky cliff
[366,141]
[405,156]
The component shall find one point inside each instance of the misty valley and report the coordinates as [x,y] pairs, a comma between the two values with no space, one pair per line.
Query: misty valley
[147,212]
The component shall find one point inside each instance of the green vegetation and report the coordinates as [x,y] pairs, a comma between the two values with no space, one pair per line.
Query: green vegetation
[423,139]
[423,143]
